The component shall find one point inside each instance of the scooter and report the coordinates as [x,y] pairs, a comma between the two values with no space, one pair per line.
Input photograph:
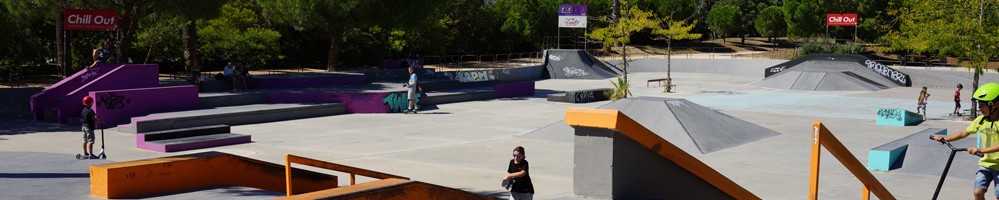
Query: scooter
[100,155]
[947,167]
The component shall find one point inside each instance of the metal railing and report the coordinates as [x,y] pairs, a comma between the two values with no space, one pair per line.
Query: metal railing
[482,61]
[821,137]
[353,171]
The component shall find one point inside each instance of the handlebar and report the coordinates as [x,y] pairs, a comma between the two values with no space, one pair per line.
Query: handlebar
[952,148]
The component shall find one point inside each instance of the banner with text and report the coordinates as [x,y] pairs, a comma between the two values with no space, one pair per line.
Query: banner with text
[834,19]
[90,20]
[572,16]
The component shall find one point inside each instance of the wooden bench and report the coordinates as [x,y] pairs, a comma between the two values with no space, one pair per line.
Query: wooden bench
[660,81]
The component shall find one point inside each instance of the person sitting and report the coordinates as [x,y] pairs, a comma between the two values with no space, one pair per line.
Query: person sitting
[102,55]
[244,74]
[228,73]
[196,78]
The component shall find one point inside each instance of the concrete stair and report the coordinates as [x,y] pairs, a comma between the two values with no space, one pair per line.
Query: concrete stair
[230,115]
[189,138]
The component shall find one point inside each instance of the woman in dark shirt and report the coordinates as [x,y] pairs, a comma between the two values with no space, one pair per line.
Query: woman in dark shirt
[519,176]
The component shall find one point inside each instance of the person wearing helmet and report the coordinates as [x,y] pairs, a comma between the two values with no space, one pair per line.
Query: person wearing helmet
[988,135]
[957,100]
[87,118]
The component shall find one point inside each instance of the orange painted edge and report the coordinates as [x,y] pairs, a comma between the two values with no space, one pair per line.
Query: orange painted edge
[614,120]
[813,175]
[349,189]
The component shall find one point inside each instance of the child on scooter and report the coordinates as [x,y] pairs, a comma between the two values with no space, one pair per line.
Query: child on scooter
[88,119]
[985,126]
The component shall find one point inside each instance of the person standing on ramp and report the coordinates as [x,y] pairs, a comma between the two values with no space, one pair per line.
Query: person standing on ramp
[411,93]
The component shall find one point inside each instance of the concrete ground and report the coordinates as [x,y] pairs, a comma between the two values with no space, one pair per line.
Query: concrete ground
[467,145]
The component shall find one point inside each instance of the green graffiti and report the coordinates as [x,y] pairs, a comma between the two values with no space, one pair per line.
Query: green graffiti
[397,101]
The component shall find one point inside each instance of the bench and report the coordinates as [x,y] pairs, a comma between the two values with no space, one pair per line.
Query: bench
[660,81]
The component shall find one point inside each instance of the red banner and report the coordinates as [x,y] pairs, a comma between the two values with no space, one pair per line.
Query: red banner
[841,19]
[90,20]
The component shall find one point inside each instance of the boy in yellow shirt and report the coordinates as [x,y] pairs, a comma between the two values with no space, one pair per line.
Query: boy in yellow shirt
[985,126]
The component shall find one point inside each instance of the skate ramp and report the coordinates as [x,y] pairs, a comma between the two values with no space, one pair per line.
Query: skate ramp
[926,157]
[199,171]
[690,126]
[828,75]
[576,64]
[619,158]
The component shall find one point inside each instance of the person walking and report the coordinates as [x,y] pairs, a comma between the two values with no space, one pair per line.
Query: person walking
[518,177]
[924,97]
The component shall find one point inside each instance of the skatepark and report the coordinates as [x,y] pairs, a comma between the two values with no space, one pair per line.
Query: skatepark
[746,122]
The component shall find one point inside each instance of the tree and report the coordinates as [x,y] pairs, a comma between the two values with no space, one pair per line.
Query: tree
[238,34]
[965,29]
[724,20]
[804,18]
[675,30]
[336,17]
[630,21]
[770,23]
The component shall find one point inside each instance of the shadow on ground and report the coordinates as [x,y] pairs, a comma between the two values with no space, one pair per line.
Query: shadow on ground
[20,126]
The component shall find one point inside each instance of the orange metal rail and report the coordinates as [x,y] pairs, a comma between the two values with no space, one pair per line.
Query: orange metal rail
[821,137]
[289,159]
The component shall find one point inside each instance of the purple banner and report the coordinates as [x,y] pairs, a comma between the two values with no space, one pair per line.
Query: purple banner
[571,10]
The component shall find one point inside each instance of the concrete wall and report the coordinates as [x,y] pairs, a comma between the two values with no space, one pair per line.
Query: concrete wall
[16,102]
[496,75]
[356,102]
[49,97]
[124,77]
[118,106]
[740,67]
[610,165]
[306,82]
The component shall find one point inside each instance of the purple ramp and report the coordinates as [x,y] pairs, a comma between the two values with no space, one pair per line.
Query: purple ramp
[49,97]
[124,77]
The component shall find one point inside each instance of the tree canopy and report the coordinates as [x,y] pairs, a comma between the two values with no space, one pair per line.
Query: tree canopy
[724,20]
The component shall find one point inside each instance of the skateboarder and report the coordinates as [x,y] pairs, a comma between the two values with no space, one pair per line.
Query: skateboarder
[88,117]
[988,133]
[957,100]
[519,176]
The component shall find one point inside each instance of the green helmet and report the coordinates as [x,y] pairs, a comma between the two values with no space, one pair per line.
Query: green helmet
[987,92]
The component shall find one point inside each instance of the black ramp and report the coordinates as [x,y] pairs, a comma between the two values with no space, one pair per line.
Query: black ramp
[575,64]
[828,75]
[712,130]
